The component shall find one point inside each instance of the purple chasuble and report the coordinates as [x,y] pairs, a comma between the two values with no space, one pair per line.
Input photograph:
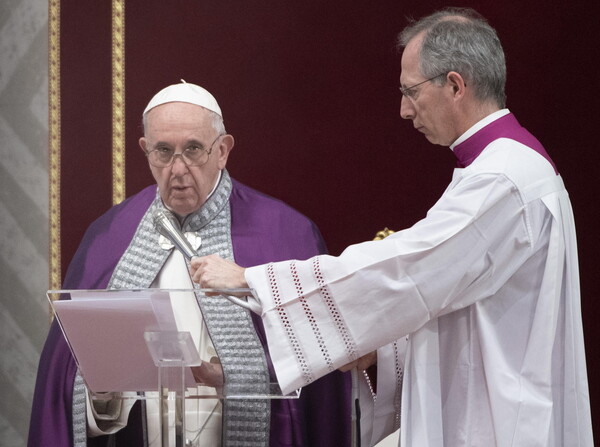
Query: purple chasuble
[506,126]
[263,230]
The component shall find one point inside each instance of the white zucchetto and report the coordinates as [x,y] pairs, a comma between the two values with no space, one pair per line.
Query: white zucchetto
[185,92]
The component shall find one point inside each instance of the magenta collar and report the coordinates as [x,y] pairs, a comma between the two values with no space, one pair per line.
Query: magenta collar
[506,126]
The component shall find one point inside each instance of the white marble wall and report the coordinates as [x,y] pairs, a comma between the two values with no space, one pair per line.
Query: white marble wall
[23,208]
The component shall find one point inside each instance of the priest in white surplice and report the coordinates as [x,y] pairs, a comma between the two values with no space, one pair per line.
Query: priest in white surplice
[474,312]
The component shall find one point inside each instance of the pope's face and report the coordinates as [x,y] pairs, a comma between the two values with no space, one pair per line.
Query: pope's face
[428,105]
[178,126]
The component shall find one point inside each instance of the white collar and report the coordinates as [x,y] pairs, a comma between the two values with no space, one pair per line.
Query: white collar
[480,125]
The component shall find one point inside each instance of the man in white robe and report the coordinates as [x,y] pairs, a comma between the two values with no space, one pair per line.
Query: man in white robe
[474,312]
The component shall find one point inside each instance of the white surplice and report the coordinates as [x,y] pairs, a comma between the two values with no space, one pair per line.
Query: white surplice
[480,300]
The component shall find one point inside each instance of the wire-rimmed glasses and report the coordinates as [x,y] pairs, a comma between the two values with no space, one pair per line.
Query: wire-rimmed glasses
[410,92]
[193,155]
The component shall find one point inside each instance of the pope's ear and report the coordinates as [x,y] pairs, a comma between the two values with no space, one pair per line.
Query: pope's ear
[142,142]
[225,147]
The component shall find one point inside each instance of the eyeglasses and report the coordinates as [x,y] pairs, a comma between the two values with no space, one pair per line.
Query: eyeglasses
[163,157]
[410,92]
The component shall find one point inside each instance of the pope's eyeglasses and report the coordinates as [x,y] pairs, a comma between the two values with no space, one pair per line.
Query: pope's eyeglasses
[163,157]
[410,92]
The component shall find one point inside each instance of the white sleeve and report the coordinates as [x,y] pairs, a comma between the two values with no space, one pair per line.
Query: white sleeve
[325,312]
[380,413]
[108,416]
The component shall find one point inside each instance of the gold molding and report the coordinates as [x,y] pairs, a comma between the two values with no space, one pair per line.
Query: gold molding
[118,101]
[54,141]
[54,125]
[383,234]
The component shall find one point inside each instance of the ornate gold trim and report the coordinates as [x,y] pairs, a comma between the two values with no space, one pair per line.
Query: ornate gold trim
[118,100]
[383,234]
[54,141]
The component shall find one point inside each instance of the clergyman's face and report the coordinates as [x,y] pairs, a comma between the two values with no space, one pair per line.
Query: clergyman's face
[428,105]
[177,126]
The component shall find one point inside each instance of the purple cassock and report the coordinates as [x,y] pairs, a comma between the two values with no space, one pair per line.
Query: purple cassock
[262,230]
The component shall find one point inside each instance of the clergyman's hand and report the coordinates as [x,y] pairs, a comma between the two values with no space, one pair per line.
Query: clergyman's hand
[362,363]
[214,272]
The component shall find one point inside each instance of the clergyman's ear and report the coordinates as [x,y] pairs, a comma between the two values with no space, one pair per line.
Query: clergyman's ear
[457,83]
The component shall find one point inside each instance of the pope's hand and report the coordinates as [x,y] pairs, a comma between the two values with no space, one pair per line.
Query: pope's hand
[214,272]
[209,373]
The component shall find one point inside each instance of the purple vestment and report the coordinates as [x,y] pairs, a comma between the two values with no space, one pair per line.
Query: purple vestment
[262,230]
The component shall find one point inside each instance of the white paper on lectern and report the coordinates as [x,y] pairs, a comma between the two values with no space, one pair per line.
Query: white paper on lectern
[105,330]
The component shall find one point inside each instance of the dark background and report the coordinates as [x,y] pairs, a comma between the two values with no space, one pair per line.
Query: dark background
[309,91]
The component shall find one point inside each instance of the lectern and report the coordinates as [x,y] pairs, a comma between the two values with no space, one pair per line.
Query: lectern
[143,344]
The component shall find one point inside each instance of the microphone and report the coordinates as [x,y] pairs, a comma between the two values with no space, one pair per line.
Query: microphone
[168,225]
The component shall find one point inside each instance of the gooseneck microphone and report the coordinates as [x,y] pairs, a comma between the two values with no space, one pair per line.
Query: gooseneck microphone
[168,225]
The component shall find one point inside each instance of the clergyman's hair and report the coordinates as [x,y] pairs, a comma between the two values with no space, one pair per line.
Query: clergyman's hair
[217,122]
[461,40]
